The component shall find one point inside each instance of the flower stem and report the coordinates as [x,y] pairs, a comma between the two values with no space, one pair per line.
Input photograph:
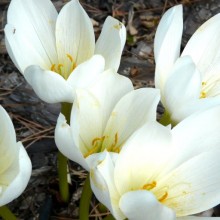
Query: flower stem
[165,119]
[62,174]
[109,217]
[62,160]
[85,200]
[6,214]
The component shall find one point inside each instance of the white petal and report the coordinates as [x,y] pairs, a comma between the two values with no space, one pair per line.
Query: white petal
[167,43]
[194,106]
[183,85]
[31,32]
[194,186]
[74,34]
[130,113]
[86,121]
[102,182]
[86,73]
[111,42]
[8,145]
[18,185]
[48,85]
[65,143]
[205,129]
[204,45]
[143,205]
[197,218]
[143,157]
[109,89]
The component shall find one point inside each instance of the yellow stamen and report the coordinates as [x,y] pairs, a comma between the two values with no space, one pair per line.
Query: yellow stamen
[204,83]
[92,151]
[59,67]
[203,95]
[150,186]
[53,68]
[114,147]
[96,143]
[70,57]
[163,197]
[97,139]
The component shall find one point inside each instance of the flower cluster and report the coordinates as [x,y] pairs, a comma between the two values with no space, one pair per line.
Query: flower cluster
[139,168]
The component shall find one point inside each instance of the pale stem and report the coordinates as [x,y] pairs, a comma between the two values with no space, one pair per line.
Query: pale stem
[6,213]
[63,161]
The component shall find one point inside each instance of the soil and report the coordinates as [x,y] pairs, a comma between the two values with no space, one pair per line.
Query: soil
[34,120]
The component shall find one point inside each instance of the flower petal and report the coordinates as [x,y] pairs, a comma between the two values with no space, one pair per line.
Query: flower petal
[143,205]
[130,113]
[167,40]
[93,107]
[197,218]
[8,145]
[143,157]
[193,187]
[102,182]
[86,121]
[194,106]
[31,33]
[205,129]
[74,34]
[183,85]
[204,45]
[109,89]
[111,42]
[18,185]
[86,73]
[48,85]
[65,142]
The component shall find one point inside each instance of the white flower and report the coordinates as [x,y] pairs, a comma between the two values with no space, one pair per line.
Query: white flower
[15,165]
[51,49]
[162,174]
[104,116]
[189,82]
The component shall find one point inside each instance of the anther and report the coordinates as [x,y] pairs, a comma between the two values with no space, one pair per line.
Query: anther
[53,68]
[163,197]
[70,57]
[150,186]
[203,95]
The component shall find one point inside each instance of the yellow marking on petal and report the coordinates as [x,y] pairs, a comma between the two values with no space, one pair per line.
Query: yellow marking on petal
[150,186]
[204,83]
[53,68]
[70,57]
[163,197]
[203,95]
[118,26]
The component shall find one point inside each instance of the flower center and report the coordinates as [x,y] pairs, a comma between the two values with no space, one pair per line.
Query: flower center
[152,185]
[64,70]
[97,145]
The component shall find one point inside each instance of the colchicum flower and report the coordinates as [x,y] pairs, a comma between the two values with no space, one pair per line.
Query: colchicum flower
[104,116]
[189,82]
[15,165]
[57,53]
[162,174]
